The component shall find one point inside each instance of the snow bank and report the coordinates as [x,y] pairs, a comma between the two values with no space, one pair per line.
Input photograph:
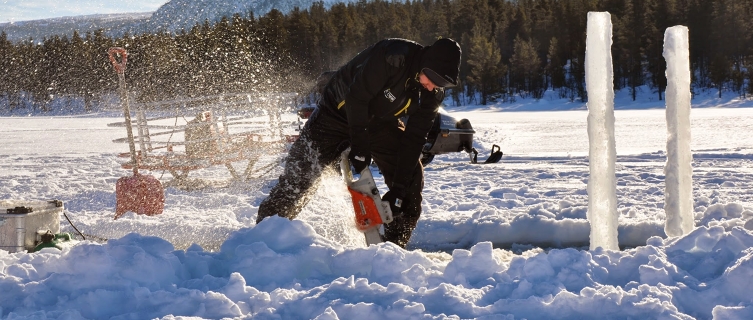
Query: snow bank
[283,269]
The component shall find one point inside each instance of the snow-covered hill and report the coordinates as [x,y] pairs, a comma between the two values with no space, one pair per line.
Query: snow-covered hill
[113,24]
[184,14]
[172,16]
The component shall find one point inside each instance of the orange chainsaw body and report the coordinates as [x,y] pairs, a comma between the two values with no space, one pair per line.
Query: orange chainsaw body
[367,213]
[370,211]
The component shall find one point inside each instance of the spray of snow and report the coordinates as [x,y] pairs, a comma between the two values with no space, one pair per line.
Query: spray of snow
[678,170]
[602,186]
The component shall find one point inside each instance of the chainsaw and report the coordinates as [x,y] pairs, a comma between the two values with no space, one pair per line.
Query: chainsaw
[371,212]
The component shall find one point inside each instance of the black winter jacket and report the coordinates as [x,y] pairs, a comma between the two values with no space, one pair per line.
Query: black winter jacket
[381,84]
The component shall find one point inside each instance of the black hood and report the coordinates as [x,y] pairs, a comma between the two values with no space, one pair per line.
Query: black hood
[441,62]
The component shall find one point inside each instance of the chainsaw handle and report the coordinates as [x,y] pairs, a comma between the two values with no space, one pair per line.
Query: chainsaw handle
[119,66]
[345,168]
[347,172]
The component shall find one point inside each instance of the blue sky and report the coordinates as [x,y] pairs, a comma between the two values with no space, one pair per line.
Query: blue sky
[22,10]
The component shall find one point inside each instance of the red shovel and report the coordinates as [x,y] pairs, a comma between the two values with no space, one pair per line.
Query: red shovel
[142,194]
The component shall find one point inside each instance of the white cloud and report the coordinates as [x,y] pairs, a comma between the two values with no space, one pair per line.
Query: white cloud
[23,10]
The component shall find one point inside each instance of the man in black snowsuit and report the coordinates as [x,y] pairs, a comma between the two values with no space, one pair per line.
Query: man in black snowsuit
[382,104]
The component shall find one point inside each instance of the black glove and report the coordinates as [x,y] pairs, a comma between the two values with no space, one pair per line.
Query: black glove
[359,160]
[395,198]
[360,155]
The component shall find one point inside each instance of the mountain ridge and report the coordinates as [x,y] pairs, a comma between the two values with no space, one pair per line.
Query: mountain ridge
[46,28]
[171,17]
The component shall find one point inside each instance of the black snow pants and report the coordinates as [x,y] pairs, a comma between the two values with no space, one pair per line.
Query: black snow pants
[323,138]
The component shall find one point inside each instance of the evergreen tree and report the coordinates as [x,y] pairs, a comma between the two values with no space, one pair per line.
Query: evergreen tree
[664,16]
[349,29]
[749,74]
[526,72]
[699,16]
[435,22]
[628,48]
[720,71]
[486,70]
[326,32]
[555,67]
[732,36]
[301,28]
[78,73]
[7,55]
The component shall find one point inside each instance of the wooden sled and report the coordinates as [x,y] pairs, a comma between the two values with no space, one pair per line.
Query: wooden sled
[184,136]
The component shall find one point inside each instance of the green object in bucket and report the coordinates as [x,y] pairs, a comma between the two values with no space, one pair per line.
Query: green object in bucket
[50,240]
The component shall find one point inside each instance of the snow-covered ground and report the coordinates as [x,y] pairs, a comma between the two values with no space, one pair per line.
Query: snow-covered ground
[496,241]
